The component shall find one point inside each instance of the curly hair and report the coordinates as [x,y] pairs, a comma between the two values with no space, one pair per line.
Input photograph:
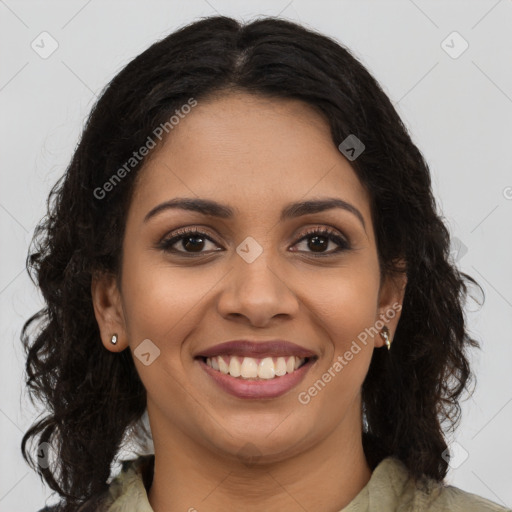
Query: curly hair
[93,396]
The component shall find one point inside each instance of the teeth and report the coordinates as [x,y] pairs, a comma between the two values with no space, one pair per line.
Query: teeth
[223,366]
[266,369]
[251,368]
[234,367]
[281,366]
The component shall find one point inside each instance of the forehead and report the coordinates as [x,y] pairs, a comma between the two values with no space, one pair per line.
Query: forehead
[251,152]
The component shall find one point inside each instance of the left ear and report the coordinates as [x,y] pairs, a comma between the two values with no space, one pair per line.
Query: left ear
[391,298]
[106,299]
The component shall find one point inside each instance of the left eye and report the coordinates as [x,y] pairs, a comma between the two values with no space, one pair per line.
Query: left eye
[193,241]
[320,238]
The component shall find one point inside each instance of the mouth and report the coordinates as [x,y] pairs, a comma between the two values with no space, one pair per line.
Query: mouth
[249,377]
[265,368]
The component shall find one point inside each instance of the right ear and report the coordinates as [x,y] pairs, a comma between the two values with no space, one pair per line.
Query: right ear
[108,310]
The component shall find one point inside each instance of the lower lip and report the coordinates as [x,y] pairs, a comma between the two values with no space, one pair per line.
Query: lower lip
[262,388]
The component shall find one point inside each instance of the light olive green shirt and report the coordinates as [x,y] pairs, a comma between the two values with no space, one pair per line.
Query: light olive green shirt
[389,489]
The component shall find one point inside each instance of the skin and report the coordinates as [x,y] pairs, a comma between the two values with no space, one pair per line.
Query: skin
[255,155]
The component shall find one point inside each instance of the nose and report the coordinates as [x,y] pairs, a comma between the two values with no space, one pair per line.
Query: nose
[257,291]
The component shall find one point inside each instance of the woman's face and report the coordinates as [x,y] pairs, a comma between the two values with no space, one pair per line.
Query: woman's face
[251,275]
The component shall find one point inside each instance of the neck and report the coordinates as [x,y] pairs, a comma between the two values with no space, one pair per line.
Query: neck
[187,476]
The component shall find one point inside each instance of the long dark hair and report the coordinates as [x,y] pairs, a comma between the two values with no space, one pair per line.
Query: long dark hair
[93,396]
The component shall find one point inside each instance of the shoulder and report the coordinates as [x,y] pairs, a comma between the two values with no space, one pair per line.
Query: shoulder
[126,489]
[428,495]
[97,503]
[454,499]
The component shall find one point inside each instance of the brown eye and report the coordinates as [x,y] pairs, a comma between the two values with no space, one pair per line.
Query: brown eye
[319,240]
[318,243]
[187,241]
[193,243]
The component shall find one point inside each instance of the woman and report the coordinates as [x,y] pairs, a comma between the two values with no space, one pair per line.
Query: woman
[246,246]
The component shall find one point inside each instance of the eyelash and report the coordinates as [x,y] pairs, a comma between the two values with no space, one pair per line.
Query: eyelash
[167,243]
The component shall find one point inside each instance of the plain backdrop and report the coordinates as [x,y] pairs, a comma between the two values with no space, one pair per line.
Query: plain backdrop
[453,91]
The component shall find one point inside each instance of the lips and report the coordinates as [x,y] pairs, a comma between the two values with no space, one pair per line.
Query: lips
[255,369]
[257,349]
[256,388]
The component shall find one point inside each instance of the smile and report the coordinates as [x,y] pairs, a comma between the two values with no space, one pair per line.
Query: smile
[248,377]
[252,368]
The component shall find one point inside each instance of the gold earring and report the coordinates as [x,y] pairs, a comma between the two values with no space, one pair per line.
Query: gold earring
[113,340]
[385,335]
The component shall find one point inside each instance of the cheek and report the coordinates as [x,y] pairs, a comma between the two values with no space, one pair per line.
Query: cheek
[158,297]
[346,308]
[160,304]
[344,302]
[165,304]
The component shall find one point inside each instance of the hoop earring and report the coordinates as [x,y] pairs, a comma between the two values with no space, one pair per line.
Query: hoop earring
[385,335]
[113,340]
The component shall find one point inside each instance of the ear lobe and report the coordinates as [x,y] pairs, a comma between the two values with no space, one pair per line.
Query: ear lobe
[106,300]
[391,298]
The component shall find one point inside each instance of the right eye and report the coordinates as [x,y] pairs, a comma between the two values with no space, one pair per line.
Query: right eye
[192,241]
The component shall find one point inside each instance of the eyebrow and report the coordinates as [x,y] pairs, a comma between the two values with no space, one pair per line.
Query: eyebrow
[211,208]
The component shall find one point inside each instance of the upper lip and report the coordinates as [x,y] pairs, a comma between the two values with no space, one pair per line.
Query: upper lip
[247,348]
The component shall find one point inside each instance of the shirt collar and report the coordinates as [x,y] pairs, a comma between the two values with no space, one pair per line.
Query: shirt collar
[128,491]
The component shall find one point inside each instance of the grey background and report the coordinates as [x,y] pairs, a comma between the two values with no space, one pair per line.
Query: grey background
[458,110]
